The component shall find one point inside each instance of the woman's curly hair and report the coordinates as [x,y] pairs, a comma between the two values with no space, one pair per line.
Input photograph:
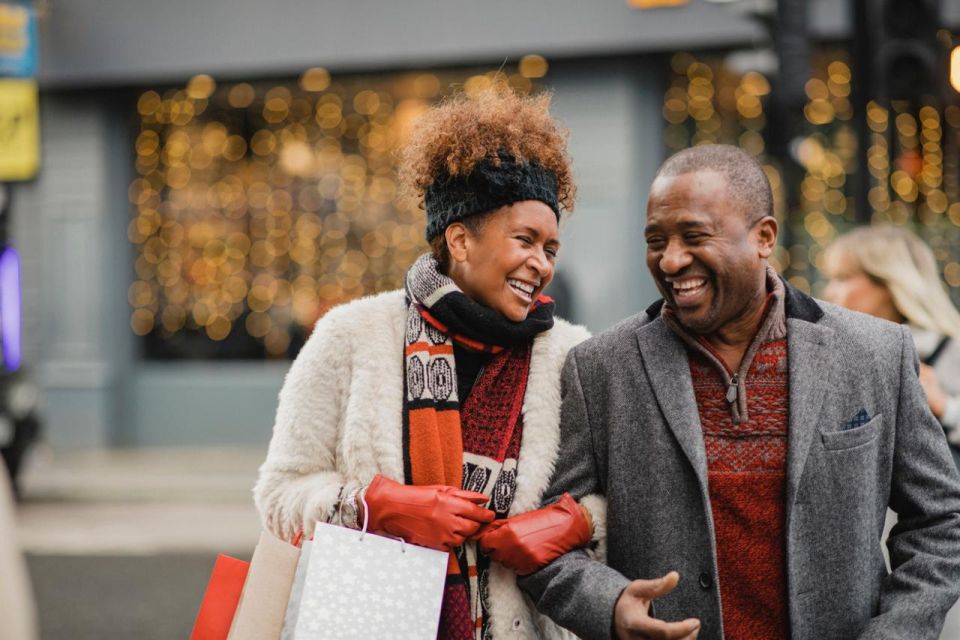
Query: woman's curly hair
[463,130]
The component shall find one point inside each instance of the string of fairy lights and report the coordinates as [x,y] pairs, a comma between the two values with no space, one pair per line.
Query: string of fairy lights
[706,103]
[912,157]
[258,206]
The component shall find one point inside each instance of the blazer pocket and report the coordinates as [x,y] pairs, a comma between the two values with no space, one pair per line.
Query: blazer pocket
[849,438]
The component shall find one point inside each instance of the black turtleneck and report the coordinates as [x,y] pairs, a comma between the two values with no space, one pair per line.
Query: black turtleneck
[468,364]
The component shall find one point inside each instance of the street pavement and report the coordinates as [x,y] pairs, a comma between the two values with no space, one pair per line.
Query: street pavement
[127,597]
[120,543]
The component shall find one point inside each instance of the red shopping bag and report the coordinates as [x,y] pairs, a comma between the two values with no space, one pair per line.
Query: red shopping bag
[220,600]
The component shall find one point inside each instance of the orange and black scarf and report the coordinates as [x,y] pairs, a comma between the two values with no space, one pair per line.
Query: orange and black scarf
[475,446]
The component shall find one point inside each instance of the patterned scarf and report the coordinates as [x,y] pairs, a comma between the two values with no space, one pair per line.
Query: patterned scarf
[475,447]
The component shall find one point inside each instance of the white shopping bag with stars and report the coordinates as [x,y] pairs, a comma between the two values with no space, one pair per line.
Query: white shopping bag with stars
[359,585]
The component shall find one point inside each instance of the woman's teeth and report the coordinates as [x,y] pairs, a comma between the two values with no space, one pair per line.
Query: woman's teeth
[522,288]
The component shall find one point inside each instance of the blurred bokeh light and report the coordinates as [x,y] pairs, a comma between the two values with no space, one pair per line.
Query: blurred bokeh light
[260,205]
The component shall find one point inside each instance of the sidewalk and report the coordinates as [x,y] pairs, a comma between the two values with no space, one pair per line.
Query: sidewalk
[120,543]
[140,502]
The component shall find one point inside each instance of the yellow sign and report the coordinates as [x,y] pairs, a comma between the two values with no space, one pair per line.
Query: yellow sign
[19,129]
[654,4]
[14,23]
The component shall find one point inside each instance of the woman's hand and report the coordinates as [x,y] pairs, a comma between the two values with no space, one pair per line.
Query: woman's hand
[435,516]
[529,541]
[936,398]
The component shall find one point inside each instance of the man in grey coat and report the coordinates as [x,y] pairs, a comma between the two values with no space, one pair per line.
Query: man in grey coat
[748,440]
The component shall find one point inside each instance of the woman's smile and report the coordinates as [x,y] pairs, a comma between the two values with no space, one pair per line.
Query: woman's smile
[523,290]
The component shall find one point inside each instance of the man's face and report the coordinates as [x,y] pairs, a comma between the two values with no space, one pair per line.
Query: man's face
[707,260]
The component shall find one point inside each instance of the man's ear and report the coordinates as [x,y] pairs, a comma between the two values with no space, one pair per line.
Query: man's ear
[456,236]
[765,231]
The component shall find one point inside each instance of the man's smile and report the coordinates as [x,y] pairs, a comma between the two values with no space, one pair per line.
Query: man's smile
[687,291]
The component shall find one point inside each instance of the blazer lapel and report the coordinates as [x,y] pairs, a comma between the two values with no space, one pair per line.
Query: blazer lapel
[668,370]
[811,364]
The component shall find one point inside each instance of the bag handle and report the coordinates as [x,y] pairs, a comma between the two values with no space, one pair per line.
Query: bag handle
[366,521]
[366,514]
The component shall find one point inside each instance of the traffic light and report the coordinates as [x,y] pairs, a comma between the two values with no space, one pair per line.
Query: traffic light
[907,65]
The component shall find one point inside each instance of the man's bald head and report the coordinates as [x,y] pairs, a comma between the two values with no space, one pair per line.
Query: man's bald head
[747,183]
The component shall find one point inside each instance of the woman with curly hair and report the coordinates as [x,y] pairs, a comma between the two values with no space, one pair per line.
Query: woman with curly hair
[437,406]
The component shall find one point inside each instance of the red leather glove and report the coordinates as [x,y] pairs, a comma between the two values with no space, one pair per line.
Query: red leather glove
[435,516]
[532,540]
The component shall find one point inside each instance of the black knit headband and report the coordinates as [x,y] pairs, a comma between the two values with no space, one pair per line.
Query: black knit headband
[489,186]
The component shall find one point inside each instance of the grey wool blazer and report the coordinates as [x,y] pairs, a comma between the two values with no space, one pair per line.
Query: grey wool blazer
[630,430]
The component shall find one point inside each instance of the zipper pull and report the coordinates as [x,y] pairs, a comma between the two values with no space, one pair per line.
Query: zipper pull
[732,389]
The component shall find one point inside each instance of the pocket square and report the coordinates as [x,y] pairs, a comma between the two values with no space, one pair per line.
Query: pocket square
[858,420]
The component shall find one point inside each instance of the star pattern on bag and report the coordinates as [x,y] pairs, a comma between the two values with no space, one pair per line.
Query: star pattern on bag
[394,588]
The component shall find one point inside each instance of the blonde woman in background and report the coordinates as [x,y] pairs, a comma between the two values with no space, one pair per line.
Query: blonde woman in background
[890,273]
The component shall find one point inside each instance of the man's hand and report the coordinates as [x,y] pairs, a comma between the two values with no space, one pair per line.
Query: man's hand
[936,398]
[631,617]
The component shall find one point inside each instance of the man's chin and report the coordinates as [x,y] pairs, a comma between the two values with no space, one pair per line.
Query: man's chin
[693,321]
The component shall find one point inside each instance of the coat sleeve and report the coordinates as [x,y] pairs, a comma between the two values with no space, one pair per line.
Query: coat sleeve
[299,482]
[576,591]
[925,543]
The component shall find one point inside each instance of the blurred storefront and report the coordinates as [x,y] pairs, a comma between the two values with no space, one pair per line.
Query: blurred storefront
[216,175]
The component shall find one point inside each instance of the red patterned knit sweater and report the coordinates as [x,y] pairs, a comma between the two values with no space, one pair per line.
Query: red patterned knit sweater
[746,446]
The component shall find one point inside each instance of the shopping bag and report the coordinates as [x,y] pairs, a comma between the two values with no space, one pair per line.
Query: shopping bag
[359,585]
[263,602]
[220,599]
[296,592]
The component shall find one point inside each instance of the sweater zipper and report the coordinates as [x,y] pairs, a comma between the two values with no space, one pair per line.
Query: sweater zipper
[732,388]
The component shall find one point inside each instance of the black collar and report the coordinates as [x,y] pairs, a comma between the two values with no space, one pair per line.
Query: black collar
[654,310]
[797,305]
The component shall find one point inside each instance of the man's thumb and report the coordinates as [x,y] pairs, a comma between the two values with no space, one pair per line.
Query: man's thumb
[656,588]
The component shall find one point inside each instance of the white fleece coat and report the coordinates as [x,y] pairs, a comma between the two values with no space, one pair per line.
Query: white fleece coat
[339,422]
